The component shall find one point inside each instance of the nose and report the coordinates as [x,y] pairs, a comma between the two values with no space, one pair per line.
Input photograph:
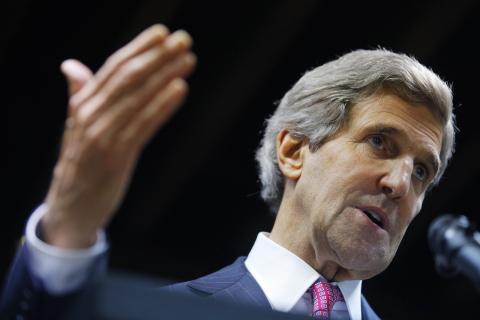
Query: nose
[395,183]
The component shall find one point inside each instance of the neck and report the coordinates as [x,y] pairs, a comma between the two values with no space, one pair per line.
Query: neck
[293,232]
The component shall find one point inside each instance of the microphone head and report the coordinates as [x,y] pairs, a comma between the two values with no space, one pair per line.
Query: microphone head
[445,235]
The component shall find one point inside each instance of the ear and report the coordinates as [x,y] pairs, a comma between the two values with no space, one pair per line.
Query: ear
[290,154]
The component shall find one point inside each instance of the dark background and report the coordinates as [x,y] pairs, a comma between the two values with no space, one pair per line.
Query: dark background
[193,205]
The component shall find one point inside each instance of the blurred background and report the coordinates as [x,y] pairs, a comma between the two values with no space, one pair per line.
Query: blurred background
[194,205]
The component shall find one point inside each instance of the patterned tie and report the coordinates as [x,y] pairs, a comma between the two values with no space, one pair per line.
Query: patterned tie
[324,296]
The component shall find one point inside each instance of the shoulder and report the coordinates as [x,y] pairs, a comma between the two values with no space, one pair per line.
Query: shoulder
[214,282]
[232,283]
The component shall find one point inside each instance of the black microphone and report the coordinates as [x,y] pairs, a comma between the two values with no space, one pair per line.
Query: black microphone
[456,247]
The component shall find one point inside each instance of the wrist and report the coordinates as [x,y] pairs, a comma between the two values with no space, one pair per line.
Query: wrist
[59,231]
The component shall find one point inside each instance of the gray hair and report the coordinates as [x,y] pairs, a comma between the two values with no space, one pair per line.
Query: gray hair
[318,105]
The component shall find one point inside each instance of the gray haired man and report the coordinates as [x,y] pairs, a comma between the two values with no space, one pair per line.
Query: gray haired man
[345,163]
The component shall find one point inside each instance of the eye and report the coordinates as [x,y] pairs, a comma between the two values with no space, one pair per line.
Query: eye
[377,141]
[420,172]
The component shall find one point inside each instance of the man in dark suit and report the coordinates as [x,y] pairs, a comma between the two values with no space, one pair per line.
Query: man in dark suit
[345,163]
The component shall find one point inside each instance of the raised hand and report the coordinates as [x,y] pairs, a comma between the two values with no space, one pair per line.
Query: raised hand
[112,114]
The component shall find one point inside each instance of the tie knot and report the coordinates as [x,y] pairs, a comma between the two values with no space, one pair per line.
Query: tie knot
[324,295]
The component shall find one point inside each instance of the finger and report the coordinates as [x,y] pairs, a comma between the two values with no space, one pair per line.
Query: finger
[154,115]
[119,115]
[154,35]
[77,75]
[133,74]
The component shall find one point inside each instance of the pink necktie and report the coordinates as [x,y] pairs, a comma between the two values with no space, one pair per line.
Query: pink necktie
[324,296]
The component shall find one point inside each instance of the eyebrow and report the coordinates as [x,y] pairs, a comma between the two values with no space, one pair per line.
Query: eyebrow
[431,158]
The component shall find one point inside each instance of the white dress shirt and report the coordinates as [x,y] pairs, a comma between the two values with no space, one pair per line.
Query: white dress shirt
[285,279]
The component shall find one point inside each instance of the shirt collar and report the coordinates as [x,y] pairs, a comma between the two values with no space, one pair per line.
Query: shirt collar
[284,277]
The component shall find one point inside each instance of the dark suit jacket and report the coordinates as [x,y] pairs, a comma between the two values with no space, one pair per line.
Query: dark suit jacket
[24,297]
[235,284]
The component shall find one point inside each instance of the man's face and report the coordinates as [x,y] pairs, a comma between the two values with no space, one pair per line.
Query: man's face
[361,189]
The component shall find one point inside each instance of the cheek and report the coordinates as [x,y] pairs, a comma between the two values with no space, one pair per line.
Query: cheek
[324,192]
[336,167]
[330,177]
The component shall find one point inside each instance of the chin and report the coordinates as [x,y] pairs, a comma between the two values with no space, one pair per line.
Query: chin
[361,259]
[360,249]
[363,265]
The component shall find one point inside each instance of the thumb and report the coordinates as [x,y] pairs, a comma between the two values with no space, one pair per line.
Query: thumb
[77,75]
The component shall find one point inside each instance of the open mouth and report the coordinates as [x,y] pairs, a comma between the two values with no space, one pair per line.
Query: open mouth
[374,217]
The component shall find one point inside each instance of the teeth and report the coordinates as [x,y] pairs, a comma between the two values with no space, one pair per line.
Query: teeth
[374,216]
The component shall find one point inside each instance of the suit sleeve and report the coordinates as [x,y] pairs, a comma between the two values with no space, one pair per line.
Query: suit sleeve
[45,282]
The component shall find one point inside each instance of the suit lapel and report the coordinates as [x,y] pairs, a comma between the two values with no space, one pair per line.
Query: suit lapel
[367,311]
